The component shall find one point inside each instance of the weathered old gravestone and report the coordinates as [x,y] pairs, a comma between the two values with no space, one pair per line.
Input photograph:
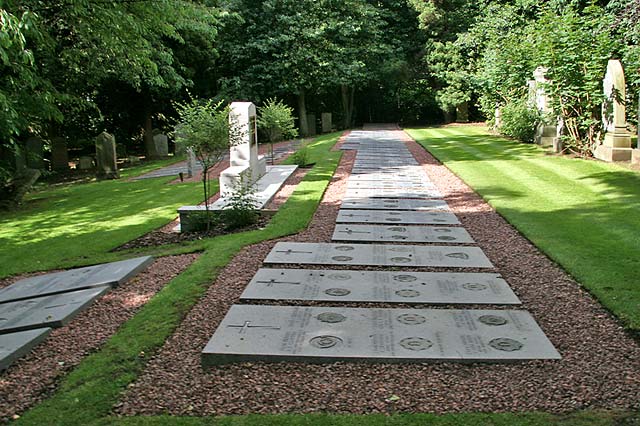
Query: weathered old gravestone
[15,345]
[192,162]
[379,286]
[377,255]
[401,233]
[85,163]
[326,122]
[617,139]
[106,164]
[321,334]
[59,154]
[111,274]
[246,165]
[48,311]
[547,132]
[161,144]
[397,217]
[34,153]
[311,124]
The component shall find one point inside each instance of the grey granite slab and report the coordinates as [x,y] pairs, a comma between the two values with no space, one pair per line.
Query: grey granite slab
[15,345]
[393,204]
[378,255]
[391,193]
[369,184]
[397,217]
[379,286]
[112,274]
[48,311]
[383,163]
[322,334]
[401,233]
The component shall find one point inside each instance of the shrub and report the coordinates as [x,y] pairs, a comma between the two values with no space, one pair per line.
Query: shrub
[519,121]
[240,210]
[277,120]
[301,157]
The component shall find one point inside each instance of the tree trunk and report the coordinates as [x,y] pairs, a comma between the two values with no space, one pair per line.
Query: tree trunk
[347,104]
[149,146]
[302,111]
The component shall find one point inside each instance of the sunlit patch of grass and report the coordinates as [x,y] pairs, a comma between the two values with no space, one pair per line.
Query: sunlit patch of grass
[581,213]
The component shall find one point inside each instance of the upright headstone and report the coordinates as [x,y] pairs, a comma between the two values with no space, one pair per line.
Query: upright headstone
[191,162]
[161,143]
[107,167]
[311,124]
[497,120]
[20,158]
[326,122]
[617,139]
[85,162]
[462,112]
[546,132]
[246,165]
[34,153]
[59,154]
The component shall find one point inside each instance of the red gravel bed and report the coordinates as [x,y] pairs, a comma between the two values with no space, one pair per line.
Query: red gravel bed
[600,366]
[35,376]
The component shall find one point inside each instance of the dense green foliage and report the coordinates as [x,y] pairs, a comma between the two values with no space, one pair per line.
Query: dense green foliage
[276,120]
[495,47]
[579,212]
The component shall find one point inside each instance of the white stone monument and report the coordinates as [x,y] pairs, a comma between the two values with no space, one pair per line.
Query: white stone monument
[617,139]
[246,166]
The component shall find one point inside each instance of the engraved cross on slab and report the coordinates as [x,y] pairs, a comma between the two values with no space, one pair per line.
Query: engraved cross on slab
[351,231]
[272,281]
[293,251]
[247,325]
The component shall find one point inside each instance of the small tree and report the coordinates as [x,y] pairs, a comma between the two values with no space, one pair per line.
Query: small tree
[277,121]
[204,127]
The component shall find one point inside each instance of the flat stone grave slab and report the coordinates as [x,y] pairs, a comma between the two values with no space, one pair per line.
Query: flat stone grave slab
[49,311]
[384,163]
[15,345]
[386,177]
[320,334]
[391,193]
[397,217]
[384,156]
[379,286]
[112,274]
[378,255]
[395,170]
[388,185]
[402,233]
[393,204]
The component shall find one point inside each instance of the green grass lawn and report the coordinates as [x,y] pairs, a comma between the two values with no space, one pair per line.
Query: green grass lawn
[583,214]
[73,225]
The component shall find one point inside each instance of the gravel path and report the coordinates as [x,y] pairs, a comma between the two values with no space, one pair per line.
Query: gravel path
[36,375]
[600,366]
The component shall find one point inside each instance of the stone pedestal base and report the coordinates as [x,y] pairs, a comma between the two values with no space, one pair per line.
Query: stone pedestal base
[607,153]
[545,135]
[635,156]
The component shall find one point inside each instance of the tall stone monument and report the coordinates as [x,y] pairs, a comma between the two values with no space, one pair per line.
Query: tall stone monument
[246,166]
[107,167]
[617,139]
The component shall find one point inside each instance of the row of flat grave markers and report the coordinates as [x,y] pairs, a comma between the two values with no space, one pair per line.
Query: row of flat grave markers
[32,307]
[389,199]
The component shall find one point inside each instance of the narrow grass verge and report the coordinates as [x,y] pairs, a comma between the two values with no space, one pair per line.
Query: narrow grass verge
[89,392]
